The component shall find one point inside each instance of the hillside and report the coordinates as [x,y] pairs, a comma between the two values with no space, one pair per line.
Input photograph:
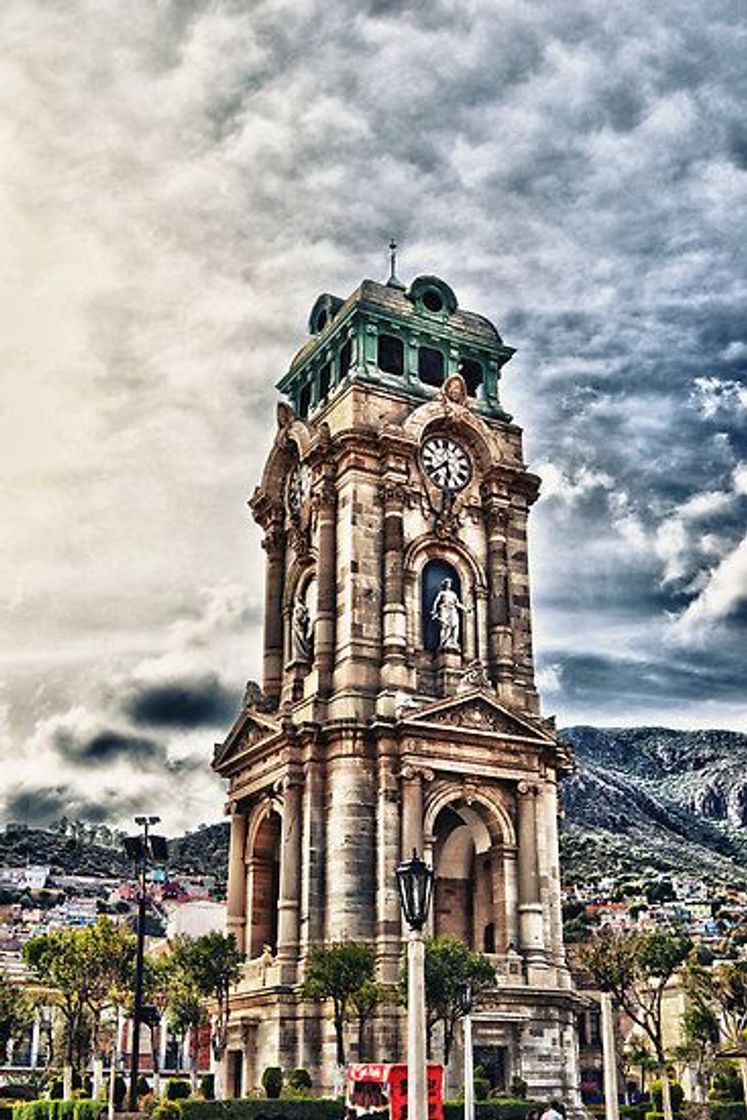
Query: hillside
[655,799]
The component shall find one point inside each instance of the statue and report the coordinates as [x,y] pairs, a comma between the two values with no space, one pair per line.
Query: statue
[445,611]
[302,633]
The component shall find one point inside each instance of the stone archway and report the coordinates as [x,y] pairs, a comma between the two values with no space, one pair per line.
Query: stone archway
[263,865]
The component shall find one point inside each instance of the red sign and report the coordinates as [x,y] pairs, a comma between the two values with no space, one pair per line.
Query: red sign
[379,1092]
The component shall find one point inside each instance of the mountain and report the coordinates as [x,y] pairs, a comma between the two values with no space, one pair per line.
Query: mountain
[655,799]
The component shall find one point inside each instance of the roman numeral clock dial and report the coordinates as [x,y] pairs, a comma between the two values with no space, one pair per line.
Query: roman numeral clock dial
[447,464]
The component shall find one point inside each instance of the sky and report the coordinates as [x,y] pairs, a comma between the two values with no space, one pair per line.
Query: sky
[179,181]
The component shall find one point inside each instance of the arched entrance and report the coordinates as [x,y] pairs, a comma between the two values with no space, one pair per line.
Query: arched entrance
[469,886]
[264,884]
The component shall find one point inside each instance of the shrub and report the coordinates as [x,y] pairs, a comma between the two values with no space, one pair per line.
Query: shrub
[518,1087]
[176,1090]
[263,1109]
[207,1086]
[482,1088]
[676,1093]
[727,1110]
[167,1110]
[299,1079]
[120,1092]
[55,1089]
[143,1086]
[272,1082]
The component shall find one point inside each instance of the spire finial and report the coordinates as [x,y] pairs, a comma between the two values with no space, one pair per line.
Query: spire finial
[393,282]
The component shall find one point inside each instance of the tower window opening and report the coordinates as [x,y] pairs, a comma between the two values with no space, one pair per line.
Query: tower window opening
[321,320]
[325,380]
[472,373]
[432,300]
[430,366]
[346,359]
[304,400]
[391,355]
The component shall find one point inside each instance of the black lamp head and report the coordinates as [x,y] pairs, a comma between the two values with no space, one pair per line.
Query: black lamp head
[415,885]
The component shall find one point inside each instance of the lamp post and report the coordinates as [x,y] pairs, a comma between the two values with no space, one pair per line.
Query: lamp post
[465,1001]
[415,885]
[141,849]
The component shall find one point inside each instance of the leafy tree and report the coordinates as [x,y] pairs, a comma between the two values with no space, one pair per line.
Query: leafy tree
[158,976]
[636,968]
[59,960]
[16,1011]
[364,1002]
[721,992]
[340,973]
[186,1014]
[637,1054]
[449,965]
[110,952]
[213,965]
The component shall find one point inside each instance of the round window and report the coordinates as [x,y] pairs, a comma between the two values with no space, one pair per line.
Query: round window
[432,300]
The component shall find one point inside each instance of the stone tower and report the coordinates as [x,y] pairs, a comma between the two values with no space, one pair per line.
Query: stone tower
[398,709]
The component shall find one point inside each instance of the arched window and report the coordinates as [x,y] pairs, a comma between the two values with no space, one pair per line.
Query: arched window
[430,366]
[434,573]
[264,872]
[391,354]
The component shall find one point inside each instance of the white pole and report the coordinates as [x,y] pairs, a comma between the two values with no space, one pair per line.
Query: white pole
[609,1058]
[417,1099]
[469,1070]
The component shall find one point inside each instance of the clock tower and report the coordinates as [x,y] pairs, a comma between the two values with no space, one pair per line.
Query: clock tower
[398,709]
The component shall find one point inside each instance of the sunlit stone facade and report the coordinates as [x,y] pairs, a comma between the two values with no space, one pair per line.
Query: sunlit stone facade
[390,719]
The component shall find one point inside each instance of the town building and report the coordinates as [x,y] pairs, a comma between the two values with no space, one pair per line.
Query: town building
[398,709]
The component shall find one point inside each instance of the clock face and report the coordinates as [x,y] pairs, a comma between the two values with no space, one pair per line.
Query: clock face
[297,488]
[446,463]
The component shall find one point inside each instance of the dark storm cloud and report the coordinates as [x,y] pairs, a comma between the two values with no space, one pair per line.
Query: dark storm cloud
[43,805]
[107,747]
[183,704]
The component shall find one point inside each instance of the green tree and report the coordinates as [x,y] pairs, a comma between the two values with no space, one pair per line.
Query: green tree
[363,1003]
[16,1011]
[339,973]
[158,977]
[109,950]
[636,968]
[60,961]
[449,965]
[185,1015]
[210,965]
[721,991]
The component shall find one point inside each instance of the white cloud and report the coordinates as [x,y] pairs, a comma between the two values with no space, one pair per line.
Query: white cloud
[725,590]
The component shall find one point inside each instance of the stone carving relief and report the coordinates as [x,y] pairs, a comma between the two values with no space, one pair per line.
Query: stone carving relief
[474,676]
[302,632]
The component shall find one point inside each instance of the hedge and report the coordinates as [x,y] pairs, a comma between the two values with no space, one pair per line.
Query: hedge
[59,1110]
[727,1110]
[308,1108]
[492,1110]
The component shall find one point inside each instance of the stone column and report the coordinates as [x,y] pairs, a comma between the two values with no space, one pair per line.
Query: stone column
[313,849]
[412,812]
[512,897]
[531,940]
[236,893]
[387,901]
[500,644]
[394,672]
[326,611]
[34,1059]
[521,622]
[609,1058]
[274,546]
[290,879]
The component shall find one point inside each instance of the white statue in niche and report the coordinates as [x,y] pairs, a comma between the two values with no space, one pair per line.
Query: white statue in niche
[445,611]
[302,632]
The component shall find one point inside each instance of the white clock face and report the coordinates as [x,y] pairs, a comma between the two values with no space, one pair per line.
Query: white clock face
[446,463]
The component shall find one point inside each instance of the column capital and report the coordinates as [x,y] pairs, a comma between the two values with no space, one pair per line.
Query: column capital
[409,773]
[527,789]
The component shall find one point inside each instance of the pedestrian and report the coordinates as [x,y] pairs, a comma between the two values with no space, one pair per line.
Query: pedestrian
[552,1111]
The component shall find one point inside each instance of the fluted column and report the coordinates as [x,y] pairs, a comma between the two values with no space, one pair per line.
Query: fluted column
[274,546]
[290,877]
[326,502]
[236,893]
[394,667]
[531,939]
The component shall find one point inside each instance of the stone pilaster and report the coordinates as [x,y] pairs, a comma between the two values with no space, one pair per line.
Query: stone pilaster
[326,503]
[531,938]
[289,903]
[500,640]
[394,671]
[412,812]
[236,894]
[274,546]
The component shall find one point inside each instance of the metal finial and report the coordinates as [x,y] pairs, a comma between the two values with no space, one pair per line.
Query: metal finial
[393,282]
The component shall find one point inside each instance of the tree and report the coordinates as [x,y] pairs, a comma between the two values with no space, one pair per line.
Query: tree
[364,1002]
[721,992]
[59,960]
[16,1011]
[449,966]
[158,976]
[109,949]
[636,968]
[185,1015]
[339,973]
[211,965]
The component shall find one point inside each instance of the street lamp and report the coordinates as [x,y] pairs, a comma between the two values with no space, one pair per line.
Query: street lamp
[141,849]
[415,885]
[465,1006]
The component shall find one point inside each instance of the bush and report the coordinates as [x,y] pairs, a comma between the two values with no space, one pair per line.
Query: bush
[727,1110]
[518,1088]
[506,1109]
[59,1110]
[120,1092]
[482,1088]
[676,1092]
[176,1090]
[299,1080]
[245,1109]
[272,1082]
[207,1086]
[167,1110]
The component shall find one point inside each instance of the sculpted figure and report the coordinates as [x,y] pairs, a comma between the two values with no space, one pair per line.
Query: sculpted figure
[445,610]
[302,633]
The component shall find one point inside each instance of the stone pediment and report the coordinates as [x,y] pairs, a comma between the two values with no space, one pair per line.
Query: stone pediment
[480,712]
[251,727]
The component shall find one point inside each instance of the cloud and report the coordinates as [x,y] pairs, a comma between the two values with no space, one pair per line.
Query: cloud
[723,593]
[196,703]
